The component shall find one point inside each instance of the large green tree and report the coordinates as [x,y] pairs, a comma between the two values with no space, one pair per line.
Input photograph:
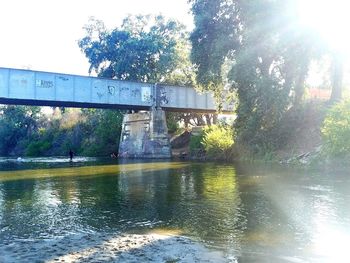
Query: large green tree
[143,48]
[268,55]
[214,39]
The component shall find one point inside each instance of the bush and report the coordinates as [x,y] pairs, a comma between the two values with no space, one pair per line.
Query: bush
[215,142]
[218,141]
[37,148]
[196,146]
[172,122]
[336,130]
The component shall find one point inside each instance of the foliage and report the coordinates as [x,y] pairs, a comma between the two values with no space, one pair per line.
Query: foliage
[336,130]
[212,39]
[102,132]
[89,132]
[17,123]
[218,141]
[215,141]
[196,146]
[267,54]
[144,48]
[172,122]
[37,148]
[26,131]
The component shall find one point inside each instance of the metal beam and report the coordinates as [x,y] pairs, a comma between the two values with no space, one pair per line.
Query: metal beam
[29,87]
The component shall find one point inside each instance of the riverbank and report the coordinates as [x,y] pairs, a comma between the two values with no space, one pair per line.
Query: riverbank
[295,139]
[99,247]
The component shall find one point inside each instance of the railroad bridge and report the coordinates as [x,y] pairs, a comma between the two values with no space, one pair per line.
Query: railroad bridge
[144,133]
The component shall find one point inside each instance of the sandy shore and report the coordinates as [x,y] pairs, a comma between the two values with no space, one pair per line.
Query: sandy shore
[106,248]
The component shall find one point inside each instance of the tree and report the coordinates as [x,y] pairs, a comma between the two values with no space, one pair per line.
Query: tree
[144,48]
[269,57]
[17,123]
[101,130]
[88,132]
[215,36]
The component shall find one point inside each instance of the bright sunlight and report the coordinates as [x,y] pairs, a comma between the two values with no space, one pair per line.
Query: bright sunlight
[330,18]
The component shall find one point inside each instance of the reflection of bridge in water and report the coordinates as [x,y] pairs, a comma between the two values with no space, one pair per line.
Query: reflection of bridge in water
[144,134]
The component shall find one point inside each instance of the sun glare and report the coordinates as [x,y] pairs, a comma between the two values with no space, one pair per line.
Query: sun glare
[330,18]
[332,245]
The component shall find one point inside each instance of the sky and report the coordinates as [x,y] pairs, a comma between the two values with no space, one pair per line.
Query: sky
[43,34]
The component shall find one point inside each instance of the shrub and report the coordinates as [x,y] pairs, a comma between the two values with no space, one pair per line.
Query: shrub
[336,130]
[218,141]
[196,146]
[172,122]
[37,148]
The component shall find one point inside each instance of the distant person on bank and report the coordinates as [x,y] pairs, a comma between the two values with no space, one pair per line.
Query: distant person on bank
[71,155]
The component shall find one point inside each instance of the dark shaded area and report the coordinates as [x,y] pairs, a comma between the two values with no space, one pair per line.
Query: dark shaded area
[70,104]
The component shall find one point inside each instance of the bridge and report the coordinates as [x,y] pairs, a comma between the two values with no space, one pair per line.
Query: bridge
[144,133]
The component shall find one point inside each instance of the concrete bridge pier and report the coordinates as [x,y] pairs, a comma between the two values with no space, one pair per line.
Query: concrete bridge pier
[145,135]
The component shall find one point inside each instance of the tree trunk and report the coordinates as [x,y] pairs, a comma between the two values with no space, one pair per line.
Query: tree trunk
[337,78]
[215,119]
[300,84]
[208,119]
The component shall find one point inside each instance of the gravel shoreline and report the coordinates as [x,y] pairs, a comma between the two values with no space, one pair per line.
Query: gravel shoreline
[106,248]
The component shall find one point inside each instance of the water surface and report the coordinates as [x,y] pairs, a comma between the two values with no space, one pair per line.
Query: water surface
[252,213]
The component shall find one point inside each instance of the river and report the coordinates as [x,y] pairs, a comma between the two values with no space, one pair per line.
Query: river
[252,213]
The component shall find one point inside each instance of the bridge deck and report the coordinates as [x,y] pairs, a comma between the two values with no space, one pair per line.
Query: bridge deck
[55,89]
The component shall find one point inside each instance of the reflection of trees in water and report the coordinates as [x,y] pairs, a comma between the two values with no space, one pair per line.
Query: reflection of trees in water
[18,191]
[17,199]
[140,194]
[200,199]
[250,208]
[214,214]
[98,201]
[67,191]
[128,199]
